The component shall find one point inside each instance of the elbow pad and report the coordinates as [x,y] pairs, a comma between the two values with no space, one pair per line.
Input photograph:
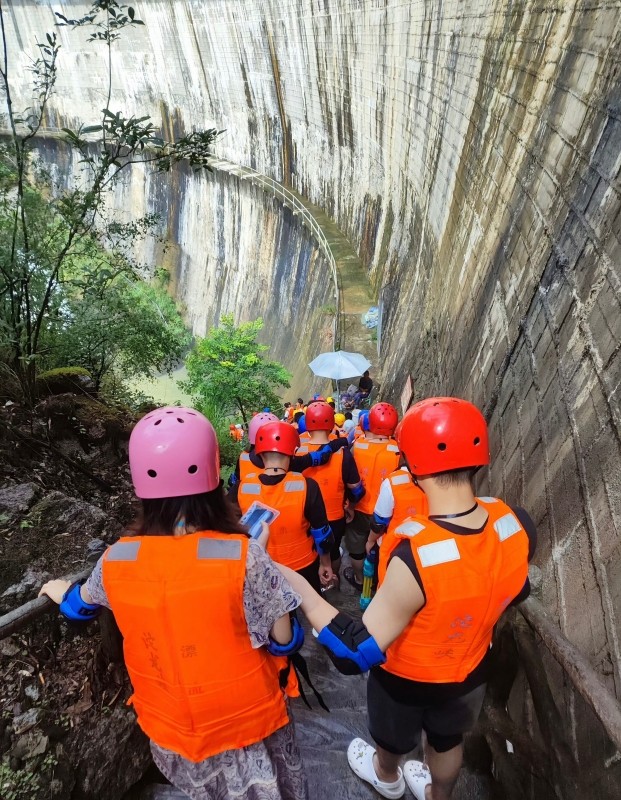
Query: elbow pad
[297,640]
[350,646]
[321,456]
[358,492]
[379,524]
[324,539]
[74,608]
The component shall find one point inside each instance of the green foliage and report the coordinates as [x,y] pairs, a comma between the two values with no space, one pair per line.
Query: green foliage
[62,258]
[64,372]
[24,784]
[127,326]
[229,449]
[227,368]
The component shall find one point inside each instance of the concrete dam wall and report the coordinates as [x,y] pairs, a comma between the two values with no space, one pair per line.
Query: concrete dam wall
[471,152]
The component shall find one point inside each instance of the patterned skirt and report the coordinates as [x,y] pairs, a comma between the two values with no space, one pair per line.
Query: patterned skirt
[268,770]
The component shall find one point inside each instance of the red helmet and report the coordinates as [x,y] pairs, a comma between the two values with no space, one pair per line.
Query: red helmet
[383,419]
[277,437]
[319,416]
[443,433]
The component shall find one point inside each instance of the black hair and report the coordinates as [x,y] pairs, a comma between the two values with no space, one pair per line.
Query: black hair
[209,511]
[298,416]
[287,405]
[455,477]
[332,403]
[300,400]
[366,372]
[349,415]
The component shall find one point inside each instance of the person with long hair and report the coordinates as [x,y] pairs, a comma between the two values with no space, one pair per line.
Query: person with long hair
[206,619]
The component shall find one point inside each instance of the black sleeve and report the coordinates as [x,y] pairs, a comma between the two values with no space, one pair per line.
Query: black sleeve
[300,463]
[336,444]
[531,531]
[530,528]
[350,470]
[232,493]
[314,508]
[256,460]
[403,551]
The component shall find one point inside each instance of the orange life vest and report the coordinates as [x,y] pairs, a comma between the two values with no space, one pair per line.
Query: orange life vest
[375,462]
[246,466]
[290,543]
[330,480]
[468,581]
[200,688]
[410,501]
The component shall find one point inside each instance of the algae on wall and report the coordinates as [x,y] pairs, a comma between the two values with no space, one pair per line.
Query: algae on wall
[471,151]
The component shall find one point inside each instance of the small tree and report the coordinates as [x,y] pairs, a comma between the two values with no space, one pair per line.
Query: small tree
[42,253]
[128,326]
[227,368]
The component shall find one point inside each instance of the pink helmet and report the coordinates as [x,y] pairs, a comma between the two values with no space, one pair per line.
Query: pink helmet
[257,422]
[174,452]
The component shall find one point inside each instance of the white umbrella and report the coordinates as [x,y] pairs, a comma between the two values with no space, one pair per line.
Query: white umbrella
[339,365]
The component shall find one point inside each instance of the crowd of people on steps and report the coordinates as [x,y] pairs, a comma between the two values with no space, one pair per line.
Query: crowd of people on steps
[211,615]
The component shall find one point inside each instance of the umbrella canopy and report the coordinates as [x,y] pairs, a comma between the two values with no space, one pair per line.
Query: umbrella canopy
[339,365]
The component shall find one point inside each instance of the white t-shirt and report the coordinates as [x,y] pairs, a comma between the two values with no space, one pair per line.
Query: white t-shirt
[385,505]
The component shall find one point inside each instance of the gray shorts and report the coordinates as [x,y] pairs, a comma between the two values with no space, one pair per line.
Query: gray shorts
[357,533]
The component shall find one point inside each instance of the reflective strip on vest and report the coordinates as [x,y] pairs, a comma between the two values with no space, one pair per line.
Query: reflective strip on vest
[361,446]
[301,450]
[392,448]
[218,549]
[244,456]
[398,479]
[438,553]
[507,526]
[489,499]
[295,486]
[123,551]
[250,488]
[409,528]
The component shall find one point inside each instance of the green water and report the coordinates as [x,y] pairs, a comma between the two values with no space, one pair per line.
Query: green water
[164,389]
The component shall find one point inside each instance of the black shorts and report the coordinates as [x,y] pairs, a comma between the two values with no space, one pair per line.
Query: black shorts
[395,722]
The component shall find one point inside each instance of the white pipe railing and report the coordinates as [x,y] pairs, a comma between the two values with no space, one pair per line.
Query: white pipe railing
[269,185]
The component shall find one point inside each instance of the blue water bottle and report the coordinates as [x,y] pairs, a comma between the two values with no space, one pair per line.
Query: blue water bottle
[368,576]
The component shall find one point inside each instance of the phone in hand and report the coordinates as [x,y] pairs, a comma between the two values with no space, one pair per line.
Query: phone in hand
[257,514]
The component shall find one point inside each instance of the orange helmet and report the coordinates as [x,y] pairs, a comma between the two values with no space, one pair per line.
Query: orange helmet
[319,416]
[383,419]
[277,437]
[443,433]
